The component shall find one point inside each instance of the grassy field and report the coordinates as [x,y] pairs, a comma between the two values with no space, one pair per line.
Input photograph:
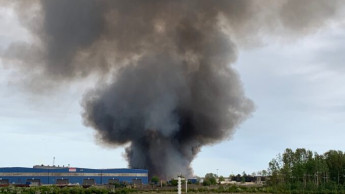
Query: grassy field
[150,189]
[147,189]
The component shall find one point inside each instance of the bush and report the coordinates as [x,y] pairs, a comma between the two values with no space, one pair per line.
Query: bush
[206,183]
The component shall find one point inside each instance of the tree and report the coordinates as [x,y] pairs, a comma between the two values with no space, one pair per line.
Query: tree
[274,170]
[221,178]
[206,183]
[244,175]
[231,176]
[155,180]
[336,164]
[304,170]
[211,178]
[264,172]
[173,182]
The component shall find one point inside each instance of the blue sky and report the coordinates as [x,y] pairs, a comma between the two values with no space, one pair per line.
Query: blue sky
[297,85]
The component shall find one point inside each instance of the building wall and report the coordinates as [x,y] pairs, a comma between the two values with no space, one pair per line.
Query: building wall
[50,175]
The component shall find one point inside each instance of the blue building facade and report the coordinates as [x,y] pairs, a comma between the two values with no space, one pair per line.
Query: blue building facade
[47,175]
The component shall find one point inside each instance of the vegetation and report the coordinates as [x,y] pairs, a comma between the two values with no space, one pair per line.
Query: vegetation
[155,180]
[299,171]
[210,179]
[66,190]
[173,182]
[221,178]
[302,170]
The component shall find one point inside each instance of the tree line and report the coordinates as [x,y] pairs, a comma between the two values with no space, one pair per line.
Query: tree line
[307,170]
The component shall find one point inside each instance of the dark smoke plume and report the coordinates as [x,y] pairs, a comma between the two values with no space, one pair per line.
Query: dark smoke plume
[172,89]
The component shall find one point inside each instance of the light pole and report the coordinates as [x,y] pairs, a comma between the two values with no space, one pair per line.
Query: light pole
[217,176]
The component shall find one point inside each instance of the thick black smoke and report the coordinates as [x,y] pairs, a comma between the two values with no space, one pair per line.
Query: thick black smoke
[172,89]
[166,111]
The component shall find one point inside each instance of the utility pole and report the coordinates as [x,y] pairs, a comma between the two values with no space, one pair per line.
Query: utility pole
[186,184]
[218,177]
[179,185]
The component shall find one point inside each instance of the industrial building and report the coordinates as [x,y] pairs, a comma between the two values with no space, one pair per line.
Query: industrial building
[52,175]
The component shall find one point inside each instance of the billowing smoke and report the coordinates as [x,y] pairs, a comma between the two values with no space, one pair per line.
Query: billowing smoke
[166,111]
[170,88]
